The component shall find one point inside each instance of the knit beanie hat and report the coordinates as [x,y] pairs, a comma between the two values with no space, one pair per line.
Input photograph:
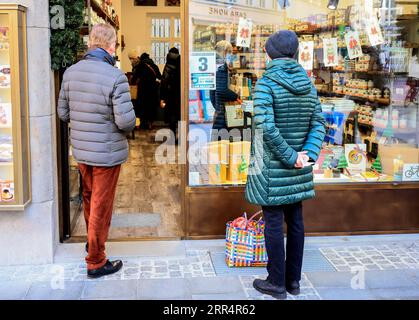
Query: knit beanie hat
[282,44]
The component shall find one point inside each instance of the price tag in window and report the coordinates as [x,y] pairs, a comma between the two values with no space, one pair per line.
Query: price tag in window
[202,71]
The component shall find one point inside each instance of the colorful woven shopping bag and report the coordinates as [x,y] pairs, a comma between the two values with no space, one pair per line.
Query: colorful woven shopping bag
[245,242]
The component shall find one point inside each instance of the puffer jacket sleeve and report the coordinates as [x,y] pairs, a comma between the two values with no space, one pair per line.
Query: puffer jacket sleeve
[122,106]
[264,120]
[316,135]
[224,93]
[63,106]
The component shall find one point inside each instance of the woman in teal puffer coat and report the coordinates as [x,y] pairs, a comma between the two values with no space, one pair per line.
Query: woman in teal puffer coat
[289,132]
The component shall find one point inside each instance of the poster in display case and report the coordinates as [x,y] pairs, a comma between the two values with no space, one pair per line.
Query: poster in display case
[15,190]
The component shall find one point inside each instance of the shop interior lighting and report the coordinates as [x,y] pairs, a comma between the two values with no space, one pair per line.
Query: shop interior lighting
[333,4]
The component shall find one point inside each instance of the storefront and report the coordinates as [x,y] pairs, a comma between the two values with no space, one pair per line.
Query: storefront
[362,57]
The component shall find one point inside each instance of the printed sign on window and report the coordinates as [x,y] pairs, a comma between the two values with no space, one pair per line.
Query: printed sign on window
[353,44]
[330,52]
[203,71]
[244,34]
[305,56]
[411,172]
[374,32]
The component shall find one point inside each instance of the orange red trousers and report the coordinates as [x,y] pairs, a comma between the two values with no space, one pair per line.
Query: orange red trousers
[99,188]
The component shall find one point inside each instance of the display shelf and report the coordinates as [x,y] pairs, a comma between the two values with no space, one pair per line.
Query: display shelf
[372,73]
[397,131]
[101,13]
[319,178]
[384,102]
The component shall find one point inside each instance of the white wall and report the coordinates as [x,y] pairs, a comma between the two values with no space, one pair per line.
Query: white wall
[30,237]
[136,27]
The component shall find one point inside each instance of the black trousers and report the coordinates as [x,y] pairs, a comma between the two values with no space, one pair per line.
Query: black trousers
[284,267]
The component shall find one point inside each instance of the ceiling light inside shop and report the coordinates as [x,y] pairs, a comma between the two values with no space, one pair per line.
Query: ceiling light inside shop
[333,4]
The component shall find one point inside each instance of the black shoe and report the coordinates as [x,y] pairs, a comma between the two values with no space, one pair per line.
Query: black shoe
[265,287]
[87,247]
[293,287]
[107,269]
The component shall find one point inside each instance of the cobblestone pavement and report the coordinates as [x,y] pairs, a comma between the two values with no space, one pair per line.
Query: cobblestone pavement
[379,257]
[366,267]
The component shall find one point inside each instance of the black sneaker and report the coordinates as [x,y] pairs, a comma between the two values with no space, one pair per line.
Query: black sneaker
[293,287]
[265,287]
[107,269]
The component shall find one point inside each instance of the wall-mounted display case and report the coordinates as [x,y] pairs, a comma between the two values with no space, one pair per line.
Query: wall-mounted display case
[15,190]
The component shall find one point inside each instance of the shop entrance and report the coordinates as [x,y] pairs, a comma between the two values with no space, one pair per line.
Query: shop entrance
[148,198]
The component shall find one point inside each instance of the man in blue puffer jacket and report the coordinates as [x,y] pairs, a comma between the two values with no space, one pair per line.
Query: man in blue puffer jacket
[289,114]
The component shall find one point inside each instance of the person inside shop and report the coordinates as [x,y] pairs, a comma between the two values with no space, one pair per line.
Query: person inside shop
[147,76]
[96,100]
[223,93]
[288,113]
[135,60]
[170,90]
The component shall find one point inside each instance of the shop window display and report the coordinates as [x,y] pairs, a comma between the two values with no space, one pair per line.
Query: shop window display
[14,147]
[6,134]
[363,60]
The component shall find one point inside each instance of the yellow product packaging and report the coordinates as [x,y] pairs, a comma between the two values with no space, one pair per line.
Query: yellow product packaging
[217,162]
[239,162]
[393,155]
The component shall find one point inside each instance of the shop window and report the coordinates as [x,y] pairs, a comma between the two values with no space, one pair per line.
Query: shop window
[362,60]
[152,3]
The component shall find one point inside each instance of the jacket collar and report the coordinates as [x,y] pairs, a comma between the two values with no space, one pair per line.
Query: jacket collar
[100,54]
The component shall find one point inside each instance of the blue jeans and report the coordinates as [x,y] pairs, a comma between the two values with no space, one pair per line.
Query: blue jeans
[283,268]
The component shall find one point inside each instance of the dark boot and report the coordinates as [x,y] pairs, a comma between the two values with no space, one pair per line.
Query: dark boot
[293,287]
[266,287]
[107,269]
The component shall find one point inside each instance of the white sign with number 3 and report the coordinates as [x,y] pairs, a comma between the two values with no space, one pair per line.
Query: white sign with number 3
[202,71]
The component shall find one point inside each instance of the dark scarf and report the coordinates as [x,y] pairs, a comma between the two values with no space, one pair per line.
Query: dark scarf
[100,54]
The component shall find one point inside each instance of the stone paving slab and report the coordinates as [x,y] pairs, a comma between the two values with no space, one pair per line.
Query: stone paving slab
[166,289]
[44,291]
[308,291]
[397,293]
[196,263]
[346,294]
[391,256]
[14,290]
[109,289]
[215,285]
[391,266]
[330,279]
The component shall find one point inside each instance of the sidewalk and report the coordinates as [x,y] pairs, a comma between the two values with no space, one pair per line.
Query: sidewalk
[383,267]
